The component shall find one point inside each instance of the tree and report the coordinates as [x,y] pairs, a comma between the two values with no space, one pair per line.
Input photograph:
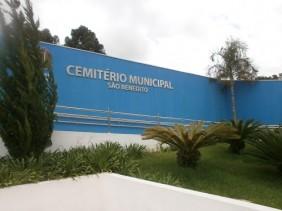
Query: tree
[27,88]
[231,63]
[84,39]
[46,36]
[188,140]
[245,130]
[267,146]
[273,77]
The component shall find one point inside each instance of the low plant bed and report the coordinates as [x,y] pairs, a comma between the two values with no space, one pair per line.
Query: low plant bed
[106,157]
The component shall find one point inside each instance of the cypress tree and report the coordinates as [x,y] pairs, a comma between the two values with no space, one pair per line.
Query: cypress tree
[28,93]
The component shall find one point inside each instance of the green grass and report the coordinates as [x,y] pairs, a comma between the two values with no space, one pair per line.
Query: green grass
[219,172]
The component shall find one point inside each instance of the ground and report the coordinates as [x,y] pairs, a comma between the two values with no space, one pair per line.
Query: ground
[219,172]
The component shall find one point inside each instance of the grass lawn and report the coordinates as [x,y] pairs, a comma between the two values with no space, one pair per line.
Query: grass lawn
[219,172]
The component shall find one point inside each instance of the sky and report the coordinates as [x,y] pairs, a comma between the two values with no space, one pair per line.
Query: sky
[178,34]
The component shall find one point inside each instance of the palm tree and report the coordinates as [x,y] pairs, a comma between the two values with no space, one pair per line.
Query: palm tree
[267,146]
[245,130]
[231,63]
[188,140]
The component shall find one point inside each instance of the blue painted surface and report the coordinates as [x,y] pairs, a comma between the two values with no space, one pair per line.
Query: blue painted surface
[194,97]
[261,100]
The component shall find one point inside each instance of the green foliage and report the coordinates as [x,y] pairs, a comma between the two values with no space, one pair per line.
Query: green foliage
[267,146]
[27,89]
[46,36]
[230,64]
[220,172]
[189,139]
[135,151]
[245,130]
[106,157]
[112,156]
[273,77]
[83,38]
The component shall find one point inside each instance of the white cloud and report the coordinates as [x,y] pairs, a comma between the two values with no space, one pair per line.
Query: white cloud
[179,34]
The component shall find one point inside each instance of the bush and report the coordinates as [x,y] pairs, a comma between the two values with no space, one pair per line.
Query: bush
[245,130]
[112,156]
[106,157]
[135,151]
[189,139]
[267,146]
[27,88]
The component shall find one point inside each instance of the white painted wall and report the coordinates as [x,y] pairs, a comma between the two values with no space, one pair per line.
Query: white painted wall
[3,150]
[113,192]
[67,139]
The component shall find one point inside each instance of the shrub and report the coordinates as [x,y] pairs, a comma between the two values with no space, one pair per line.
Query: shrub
[189,139]
[106,157]
[19,171]
[27,88]
[135,151]
[112,156]
[267,146]
[246,130]
[67,163]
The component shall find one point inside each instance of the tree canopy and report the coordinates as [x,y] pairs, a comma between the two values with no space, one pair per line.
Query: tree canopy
[46,36]
[85,39]
[231,62]
[273,77]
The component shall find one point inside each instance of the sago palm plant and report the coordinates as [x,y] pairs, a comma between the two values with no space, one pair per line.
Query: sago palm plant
[267,146]
[189,139]
[245,130]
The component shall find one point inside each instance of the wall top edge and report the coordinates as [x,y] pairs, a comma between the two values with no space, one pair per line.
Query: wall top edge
[127,60]
[142,63]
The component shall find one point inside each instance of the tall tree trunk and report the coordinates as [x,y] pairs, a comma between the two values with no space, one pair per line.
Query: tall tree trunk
[233,101]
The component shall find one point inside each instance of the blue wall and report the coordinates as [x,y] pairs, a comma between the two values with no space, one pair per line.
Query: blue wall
[194,97]
[260,100]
